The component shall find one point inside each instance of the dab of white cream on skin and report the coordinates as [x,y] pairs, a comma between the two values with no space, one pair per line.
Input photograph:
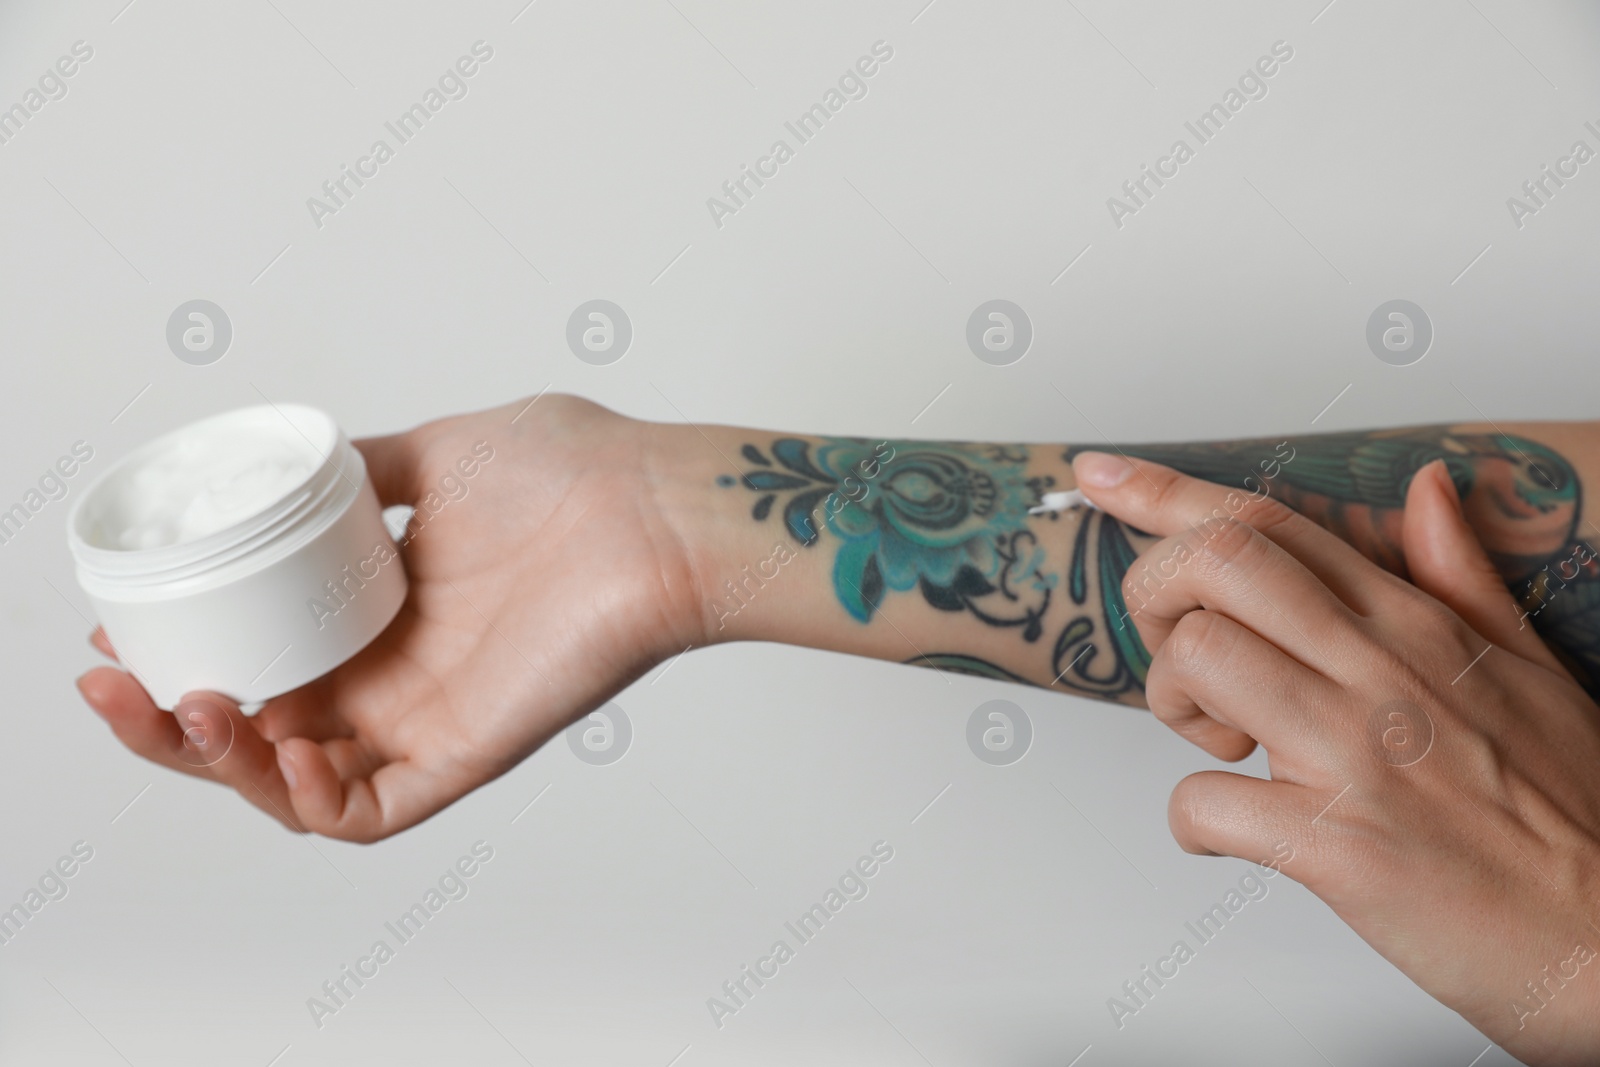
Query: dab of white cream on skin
[208,482]
[1061,501]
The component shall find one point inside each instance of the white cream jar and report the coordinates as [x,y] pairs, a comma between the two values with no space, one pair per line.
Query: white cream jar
[244,553]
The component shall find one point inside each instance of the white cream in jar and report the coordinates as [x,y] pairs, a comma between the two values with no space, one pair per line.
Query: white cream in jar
[206,482]
[244,554]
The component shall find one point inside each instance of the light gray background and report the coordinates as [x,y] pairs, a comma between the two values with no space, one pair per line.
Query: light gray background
[977,168]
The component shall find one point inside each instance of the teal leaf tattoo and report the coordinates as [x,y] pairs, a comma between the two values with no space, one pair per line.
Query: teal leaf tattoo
[797,515]
[795,454]
[1117,556]
[953,597]
[773,480]
[1118,665]
[1078,573]
[857,579]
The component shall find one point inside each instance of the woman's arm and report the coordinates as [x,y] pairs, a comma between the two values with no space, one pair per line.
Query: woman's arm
[926,552]
[591,547]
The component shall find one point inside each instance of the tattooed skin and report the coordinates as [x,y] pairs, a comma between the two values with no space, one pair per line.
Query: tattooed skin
[1522,498]
[950,520]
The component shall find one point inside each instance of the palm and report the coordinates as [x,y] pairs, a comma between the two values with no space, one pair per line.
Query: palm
[534,596]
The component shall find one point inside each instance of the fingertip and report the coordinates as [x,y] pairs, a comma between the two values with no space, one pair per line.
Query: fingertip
[1433,487]
[286,767]
[205,721]
[313,783]
[1447,487]
[1446,560]
[291,779]
[125,707]
[1182,819]
[1100,470]
[91,683]
[102,643]
[110,692]
[212,697]
[1433,530]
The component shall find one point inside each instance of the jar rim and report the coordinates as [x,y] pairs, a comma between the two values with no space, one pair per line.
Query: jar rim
[251,541]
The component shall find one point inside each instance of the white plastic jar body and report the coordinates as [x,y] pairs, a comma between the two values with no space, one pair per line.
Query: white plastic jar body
[244,554]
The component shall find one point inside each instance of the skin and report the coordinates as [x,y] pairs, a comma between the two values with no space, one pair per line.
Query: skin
[1460,835]
[594,547]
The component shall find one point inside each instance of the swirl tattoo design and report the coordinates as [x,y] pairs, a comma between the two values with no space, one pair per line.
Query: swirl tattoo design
[947,519]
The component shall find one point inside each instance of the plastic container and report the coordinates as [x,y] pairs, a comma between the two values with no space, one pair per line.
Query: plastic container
[244,553]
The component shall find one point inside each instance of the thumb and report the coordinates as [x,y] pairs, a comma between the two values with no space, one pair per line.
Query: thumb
[393,463]
[1446,561]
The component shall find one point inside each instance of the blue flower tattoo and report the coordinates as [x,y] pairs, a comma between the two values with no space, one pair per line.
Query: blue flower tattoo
[948,519]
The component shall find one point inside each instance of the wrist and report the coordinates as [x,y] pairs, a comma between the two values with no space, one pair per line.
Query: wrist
[679,468]
[906,551]
[750,577]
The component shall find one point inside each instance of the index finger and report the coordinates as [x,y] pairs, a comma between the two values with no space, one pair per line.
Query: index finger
[1224,560]
[206,735]
[1166,502]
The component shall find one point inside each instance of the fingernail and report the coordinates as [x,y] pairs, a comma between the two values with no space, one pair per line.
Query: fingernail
[196,724]
[286,766]
[191,711]
[1101,470]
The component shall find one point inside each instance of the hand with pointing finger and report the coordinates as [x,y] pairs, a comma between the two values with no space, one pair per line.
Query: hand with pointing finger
[1434,768]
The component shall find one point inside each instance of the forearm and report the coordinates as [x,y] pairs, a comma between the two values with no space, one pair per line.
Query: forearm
[924,552]
[911,551]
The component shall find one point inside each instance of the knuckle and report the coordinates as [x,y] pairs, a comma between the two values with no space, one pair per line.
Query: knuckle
[1228,546]
[1199,644]
[1268,515]
[1169,493]
[1424,621]
[1419,609]
[1440,618]
[1155,567]
[1366,645]
[1484,762]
